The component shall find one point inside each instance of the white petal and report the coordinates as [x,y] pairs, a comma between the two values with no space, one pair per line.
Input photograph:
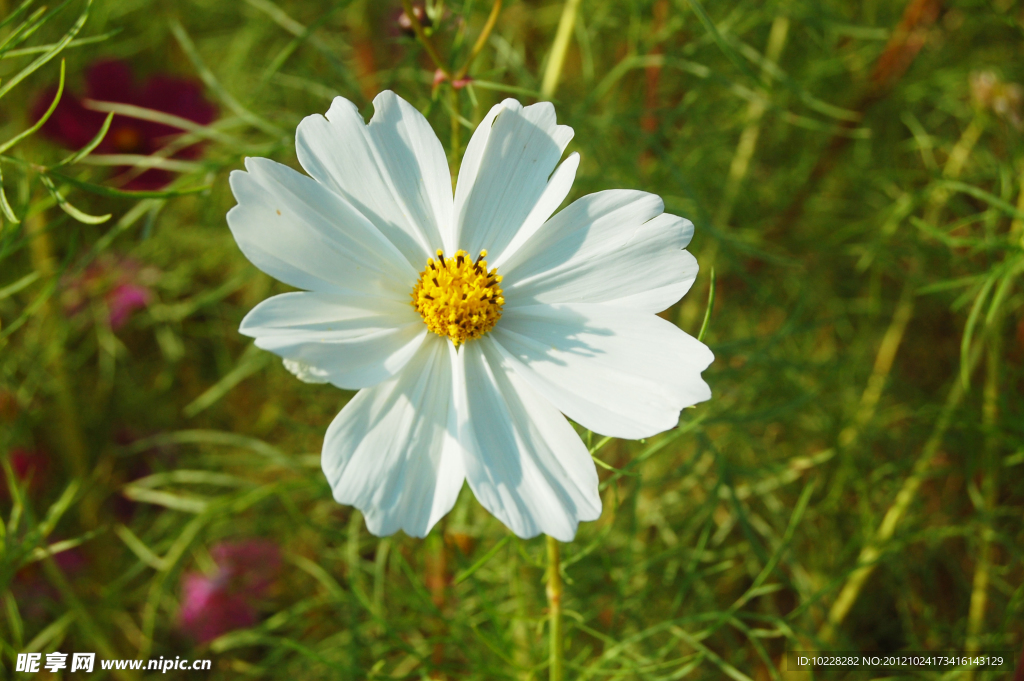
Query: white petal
[557,189]
[524,462]
[393,170]
[307,373]
[306,236]
[505,172]
[351,342]
[616,371]
[614,247]
[389,453]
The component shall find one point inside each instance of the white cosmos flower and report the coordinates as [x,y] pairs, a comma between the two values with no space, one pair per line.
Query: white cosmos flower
[569,326]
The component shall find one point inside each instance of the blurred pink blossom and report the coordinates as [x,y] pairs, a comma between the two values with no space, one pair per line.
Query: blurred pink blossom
[209,609]
[214,605]
[122,284]
[73,125]
[125,299]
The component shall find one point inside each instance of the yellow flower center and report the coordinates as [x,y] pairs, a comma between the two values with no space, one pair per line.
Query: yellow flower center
[457,297]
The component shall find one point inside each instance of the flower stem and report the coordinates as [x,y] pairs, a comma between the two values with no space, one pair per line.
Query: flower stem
[417,28]
[481,40]
[870,554]
[990,464]
[558,49]
[554,590]
[755,112]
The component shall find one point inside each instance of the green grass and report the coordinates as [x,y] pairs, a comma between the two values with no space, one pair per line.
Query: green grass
[864,216]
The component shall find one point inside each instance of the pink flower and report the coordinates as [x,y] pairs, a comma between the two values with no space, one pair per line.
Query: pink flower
[214,605]
[208,609]
[125,299]
[73,125]
[120,282]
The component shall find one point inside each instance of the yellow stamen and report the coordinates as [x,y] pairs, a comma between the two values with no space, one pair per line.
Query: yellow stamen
[458,297]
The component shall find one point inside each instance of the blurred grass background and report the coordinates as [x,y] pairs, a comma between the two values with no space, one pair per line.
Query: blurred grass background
[855,174]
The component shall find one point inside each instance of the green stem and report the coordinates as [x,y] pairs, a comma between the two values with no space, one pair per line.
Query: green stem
[748,139]
[558,49]
[989,487]
[554,590]
[872,552]
[480,41]
[68,432]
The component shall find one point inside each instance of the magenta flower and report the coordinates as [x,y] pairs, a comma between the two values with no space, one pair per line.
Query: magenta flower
[73,125]
[214,605]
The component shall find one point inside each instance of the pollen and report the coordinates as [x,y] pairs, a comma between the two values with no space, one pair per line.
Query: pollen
[458,297]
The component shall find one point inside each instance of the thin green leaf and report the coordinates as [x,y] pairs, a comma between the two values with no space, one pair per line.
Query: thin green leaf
[190,477]
[5,205]
[211,437]
[14,621]
[24,282]
[45,117]
[600,445]
[950,284]
[27,28]
[144,114]
[41,553]
[88,148]
[251,361]
[711,306]
[70,209]
[51,633]
[25,51]
[211,81]
[100,190]
[295,43]
[59,508]
[35,65]
[37,21]
[771,68]
[468,572]
[972,321]
[983,195]
[328,49]
[722,43]
[502,87]
[176,502]
[139,548]
[1005,286]
[17,12]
